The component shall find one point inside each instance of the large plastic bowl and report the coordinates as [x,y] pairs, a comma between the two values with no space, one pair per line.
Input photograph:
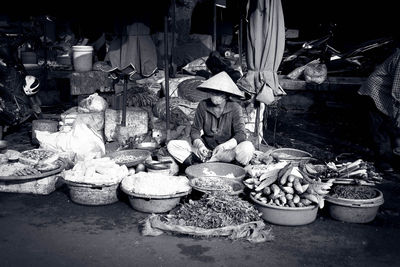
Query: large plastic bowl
[215,169]
[286,215]
[354,210]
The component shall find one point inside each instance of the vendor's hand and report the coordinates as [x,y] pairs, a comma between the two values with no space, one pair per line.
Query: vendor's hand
[230,144]
[204,152]
[218,149]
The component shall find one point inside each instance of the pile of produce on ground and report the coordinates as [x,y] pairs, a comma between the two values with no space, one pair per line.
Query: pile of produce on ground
[353,192]
[159,184]
[215,214]
[289,187]
[357,172]
[101,171]
[213,211]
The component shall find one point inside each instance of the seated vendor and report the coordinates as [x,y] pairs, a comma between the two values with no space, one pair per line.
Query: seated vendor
[218,123]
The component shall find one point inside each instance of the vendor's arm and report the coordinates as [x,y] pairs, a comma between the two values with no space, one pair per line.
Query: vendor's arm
[238,125]
[198,122]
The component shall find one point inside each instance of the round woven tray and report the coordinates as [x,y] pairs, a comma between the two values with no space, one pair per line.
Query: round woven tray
[62,165]
[188,90]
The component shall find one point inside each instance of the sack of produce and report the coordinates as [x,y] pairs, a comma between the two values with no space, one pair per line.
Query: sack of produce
[93,103]
[215,214]
[244,152]
[81,140]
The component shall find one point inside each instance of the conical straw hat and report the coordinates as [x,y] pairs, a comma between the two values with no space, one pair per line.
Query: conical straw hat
[222,82]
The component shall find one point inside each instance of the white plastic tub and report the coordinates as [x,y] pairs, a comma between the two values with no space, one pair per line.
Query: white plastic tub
[82,58]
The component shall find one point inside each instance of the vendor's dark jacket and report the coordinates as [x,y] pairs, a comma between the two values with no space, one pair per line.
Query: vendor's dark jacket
[218,130]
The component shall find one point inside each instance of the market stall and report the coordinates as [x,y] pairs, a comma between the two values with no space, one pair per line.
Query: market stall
[100,152]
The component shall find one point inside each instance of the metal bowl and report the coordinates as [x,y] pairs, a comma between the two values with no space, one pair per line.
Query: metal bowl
[139,154]
[147,146]
[235,187]
[296,156]
[153,203]
[215,169]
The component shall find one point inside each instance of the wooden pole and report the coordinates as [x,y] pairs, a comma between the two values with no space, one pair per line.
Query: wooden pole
[166,69]
[240,42]
[257,124]
[124,96]
[214,26]
[173,67]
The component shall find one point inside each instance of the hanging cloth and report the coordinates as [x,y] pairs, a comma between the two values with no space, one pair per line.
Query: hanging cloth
[265,47]
[134,52]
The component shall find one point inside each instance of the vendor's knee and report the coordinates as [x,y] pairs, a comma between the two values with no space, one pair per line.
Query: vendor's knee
[179,149]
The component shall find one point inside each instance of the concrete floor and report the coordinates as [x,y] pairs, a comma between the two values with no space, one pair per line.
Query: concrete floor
[53,231]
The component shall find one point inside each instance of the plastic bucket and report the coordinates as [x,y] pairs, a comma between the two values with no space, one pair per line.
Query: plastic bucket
[82,57]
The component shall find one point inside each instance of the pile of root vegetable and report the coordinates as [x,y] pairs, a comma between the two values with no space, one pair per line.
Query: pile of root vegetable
[214,210]
[358,172]
[289,186]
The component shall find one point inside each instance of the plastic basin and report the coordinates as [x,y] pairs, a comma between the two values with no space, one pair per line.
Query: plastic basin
[286,215]
[354,210]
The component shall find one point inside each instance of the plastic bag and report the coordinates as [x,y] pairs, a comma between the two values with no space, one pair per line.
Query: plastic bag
[84,142]
[254,232]
[93,103]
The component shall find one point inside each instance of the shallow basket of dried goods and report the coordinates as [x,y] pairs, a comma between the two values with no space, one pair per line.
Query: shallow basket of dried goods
[29,180]
[93,195]
[354,204]
[287,216]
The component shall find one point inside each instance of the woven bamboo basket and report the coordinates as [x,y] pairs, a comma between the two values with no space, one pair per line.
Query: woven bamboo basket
[93,195]
[188,90]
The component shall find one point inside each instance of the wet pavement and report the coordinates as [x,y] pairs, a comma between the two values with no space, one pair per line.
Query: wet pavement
[51,230]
